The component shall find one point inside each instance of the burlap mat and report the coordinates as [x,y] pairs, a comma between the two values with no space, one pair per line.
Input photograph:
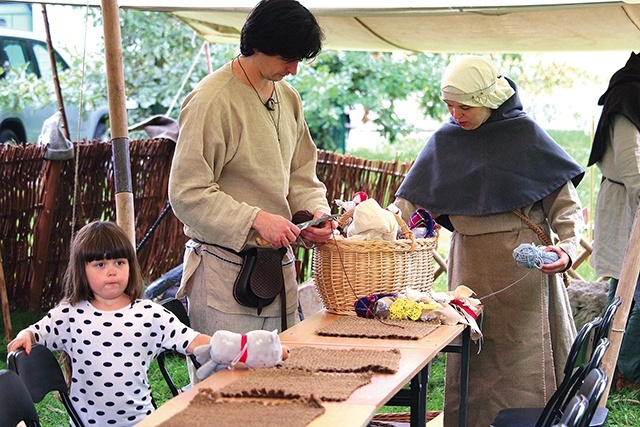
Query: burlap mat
[294,383]
[360,327]
[352,360]
[208,408]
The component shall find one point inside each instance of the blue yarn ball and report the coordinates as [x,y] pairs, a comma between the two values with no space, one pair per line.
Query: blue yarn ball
[528,255]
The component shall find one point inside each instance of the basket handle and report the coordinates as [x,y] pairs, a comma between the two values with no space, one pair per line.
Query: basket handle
[406,232]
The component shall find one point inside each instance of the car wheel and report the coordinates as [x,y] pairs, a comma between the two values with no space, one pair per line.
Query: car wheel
[9,136]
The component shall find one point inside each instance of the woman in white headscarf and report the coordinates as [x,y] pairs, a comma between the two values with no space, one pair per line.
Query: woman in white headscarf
[489,160]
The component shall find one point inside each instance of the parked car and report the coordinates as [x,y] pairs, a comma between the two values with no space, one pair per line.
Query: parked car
[24,49]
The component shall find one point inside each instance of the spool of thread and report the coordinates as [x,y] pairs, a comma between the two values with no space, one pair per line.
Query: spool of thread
[528,255]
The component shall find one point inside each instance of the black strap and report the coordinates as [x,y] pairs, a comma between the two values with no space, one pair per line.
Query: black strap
[610,180]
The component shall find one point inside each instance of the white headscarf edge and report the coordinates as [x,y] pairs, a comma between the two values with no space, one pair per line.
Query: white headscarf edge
[474,81]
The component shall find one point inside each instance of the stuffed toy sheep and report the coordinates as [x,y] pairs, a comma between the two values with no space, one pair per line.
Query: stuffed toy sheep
[255,349]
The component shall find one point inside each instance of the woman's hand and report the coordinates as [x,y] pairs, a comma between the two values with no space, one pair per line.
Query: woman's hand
[558,266]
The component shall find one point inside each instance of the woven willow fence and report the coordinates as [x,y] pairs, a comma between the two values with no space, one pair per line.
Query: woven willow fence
[35,240]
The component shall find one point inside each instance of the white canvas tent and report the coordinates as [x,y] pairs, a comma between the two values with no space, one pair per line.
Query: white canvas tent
[435,26]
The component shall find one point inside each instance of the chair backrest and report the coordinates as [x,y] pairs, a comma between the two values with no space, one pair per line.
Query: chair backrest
[15,401]
[574,413]
[594,362]
[41,373]
[574,372]
[598,355]
[177,307]
[593,389]
[583,346]
[607,319]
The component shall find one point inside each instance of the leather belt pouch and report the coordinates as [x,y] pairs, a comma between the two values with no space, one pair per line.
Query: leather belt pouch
[260,279]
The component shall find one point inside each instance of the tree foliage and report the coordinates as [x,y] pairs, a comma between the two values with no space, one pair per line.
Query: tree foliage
[374,80]
[163,60]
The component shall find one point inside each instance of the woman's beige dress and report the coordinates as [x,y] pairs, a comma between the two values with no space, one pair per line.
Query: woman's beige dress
[527,328]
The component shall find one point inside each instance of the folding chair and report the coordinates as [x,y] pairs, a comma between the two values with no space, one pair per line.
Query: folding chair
[574,372]
[41,373]
[177,308]
[573,415]
[600,415]
[607,319]
[15,401]
[593,389]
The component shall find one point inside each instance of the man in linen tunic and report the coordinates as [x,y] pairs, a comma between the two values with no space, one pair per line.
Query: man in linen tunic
[616,152]
[471,181]
[239,157]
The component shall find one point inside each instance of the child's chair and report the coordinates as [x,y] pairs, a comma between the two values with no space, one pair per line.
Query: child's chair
[175,306]
[41,373]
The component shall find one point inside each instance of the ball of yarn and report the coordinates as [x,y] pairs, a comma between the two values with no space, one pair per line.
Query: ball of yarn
[528,255]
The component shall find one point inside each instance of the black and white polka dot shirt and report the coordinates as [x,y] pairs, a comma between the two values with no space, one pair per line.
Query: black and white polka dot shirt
[111,352]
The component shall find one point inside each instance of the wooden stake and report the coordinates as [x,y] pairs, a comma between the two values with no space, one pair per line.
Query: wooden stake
[125,215]
[4,300]
[625,289]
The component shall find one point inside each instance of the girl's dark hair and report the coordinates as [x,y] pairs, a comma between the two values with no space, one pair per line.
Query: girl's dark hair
[281,27]
[96,241]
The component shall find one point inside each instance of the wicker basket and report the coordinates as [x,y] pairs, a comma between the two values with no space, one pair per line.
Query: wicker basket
[345,270]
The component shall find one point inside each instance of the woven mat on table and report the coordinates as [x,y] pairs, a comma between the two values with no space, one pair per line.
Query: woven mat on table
[351,360]
[295,383]
[360,327]
[208,408]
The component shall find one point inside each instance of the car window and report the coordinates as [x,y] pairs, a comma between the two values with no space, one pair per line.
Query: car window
[4,63]
[42,57]
[17,53]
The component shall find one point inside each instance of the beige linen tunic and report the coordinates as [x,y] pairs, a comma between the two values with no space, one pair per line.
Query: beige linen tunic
[617,204]
[233,158]
[527,328]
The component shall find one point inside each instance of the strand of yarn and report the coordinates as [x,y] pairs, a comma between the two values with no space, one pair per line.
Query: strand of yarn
[528,255]
[505,288]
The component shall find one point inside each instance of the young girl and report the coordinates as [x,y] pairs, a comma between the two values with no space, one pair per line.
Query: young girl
[110,334]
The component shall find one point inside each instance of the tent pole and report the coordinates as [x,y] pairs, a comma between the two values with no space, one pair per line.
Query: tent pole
[625,289]
[125,216]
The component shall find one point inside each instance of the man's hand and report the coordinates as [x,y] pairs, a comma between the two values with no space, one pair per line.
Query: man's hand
[322,232]
[275,229]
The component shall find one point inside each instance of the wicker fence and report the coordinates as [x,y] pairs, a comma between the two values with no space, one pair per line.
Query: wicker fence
[37,208]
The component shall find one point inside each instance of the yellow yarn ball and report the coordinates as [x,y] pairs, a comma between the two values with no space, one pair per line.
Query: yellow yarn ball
[405,309]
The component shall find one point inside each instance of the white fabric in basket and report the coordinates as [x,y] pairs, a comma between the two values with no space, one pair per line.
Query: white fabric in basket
[371,222]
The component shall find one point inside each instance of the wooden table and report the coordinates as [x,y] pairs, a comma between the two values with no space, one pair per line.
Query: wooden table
[364,402]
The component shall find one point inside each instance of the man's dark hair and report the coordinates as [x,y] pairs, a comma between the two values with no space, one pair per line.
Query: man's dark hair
[281,27]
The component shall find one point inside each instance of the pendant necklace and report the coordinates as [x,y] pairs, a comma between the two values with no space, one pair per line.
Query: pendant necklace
[270,104]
